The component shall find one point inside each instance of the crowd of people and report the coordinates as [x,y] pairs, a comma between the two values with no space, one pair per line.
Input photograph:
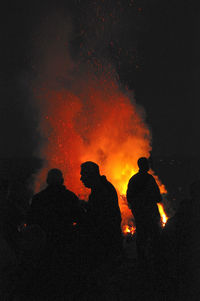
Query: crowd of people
[63,246]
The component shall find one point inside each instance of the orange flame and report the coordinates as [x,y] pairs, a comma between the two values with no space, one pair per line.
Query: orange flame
[103,125]
[85,115]
[163,215]
[128,230]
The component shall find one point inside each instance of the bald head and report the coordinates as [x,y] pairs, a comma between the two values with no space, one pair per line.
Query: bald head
[143,164]
[90,167]
[89,173]
[55,177]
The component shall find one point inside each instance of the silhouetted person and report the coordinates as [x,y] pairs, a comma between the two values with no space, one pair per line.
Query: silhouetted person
[142,195]
[180,244]
[103,216]
[10,216]
[10,219]
[187,227]
[55,209]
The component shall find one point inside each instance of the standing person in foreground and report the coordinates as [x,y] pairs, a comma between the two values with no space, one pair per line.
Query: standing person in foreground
[142,195]
[55,209]
[187,228]
[103,216]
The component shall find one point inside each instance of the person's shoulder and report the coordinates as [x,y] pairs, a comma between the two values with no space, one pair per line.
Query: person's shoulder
[134,178]
[39,195]
[109,186]
[105,181]
[150,177]
[70,194]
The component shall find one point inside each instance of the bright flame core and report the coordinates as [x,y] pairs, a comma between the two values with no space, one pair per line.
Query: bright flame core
[101,124]
[163,215]
[85,115]
[128,230]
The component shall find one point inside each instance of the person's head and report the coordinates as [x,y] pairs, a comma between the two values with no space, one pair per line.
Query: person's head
[143,164]
[89,173]
[55,177]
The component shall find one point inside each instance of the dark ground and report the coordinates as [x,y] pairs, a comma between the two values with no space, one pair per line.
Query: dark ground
[126,281]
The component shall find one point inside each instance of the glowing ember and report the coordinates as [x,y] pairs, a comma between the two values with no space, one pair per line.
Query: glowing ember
[128,230]
[163,215]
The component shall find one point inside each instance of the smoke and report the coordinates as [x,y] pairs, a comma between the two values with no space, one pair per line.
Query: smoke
[72,106]
[68,104]
[85,114]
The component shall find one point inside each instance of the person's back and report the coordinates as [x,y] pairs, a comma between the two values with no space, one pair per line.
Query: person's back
[142,195]
[188,228]
[103,205]
[103,213]
[55,209]
[9,220]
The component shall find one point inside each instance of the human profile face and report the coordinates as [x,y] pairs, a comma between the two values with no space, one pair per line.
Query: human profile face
[86,178]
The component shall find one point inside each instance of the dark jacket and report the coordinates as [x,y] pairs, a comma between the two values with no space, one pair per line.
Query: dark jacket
[104,220]
[143,194]
[55,209]
[103,209]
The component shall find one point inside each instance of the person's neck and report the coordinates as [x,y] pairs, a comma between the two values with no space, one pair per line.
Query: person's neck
[97,184]
[143,171]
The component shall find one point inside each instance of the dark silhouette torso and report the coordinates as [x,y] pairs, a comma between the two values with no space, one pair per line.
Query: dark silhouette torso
[104,220]
[143,195]
[55,209]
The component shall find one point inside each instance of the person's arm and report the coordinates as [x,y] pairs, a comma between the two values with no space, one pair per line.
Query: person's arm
[78,210]
[130,193]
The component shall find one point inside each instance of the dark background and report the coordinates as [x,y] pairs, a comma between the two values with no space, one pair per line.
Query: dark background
[154,45]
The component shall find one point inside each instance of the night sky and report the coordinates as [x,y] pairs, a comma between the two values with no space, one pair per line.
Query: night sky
[154,46]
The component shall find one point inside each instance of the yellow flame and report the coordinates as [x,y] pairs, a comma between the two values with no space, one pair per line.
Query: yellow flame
[129,230]
[163,215]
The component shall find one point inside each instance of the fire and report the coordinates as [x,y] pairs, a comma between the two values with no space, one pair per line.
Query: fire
[86,115]
[163,215]
[128,230]
[101,124]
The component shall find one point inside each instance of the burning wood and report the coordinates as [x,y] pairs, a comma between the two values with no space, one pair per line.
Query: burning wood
[128,230]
